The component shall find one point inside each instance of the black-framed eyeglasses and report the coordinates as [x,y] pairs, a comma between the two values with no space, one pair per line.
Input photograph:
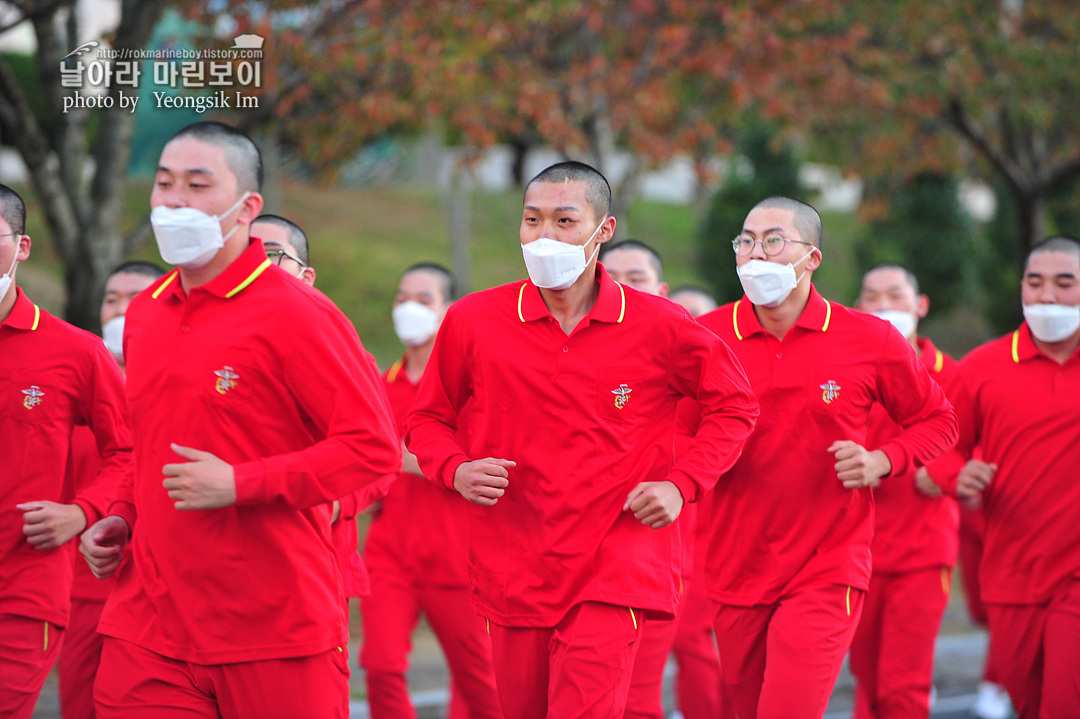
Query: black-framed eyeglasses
[772,244]
[276,256]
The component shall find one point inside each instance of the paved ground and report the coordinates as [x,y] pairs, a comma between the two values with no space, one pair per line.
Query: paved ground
[960,651]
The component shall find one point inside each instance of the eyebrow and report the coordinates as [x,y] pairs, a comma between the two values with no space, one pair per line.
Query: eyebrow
[765,232]
[561,208]
[1057,276]
[193,171]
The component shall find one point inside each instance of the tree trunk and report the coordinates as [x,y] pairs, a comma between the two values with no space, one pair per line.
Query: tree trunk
[520,148]
[622,195]
[457,210]
[83,217]
[1030,223]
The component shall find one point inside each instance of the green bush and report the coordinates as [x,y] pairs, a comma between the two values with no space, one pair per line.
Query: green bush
[928,231]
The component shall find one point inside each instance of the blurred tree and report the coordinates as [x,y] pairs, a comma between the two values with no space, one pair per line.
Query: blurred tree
[763,166]
[79,183]
[928,231]
[988,88]
[1064,207]
[582,77]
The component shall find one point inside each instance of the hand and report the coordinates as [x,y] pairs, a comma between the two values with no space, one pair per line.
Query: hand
[856,467]
[103,545]
[483,481]
[47,525]
[925,485]
[656,504]
[974,478]
[205,482]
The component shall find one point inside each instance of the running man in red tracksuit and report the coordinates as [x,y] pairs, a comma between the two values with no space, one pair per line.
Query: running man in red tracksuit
[232,605]
[1017,402]
[915,535]
[571,382]
[416,545]
[788,559]
[80,655]
[55,378]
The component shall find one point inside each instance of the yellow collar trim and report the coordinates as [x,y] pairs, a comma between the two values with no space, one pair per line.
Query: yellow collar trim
[939,361]
[828,316]
[250,278]
[622,311]
[1016,347]
[391,376]
[37,318]
[521,293]
[166,283]
[735,319]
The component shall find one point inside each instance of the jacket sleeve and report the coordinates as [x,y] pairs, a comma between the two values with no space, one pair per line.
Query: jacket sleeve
[432,424]
[706,370]
[915,402]
[103,406]
[943,471]
[337,384]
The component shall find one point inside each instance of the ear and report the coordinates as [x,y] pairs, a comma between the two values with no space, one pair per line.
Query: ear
[24,248]
[308,276]
[607,230]
[663,291]
[814,261]
[250,209]
[922,306]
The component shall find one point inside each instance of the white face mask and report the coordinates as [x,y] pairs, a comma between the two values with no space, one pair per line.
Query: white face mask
[187,237]
[904,322]
[414,324]
[9,276]
[113,334]
[1052,323]
[767,284]
[556,265]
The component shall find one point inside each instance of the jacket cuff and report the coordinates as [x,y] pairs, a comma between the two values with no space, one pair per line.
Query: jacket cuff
[687,486]
[449,468]
[250,481]
[126,512]
[899,459]
[92,515]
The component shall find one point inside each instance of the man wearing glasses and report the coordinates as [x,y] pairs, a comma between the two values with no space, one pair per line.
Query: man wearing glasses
[788,555]
[286,245]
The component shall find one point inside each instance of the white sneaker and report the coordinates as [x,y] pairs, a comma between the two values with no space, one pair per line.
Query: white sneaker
[992,702]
